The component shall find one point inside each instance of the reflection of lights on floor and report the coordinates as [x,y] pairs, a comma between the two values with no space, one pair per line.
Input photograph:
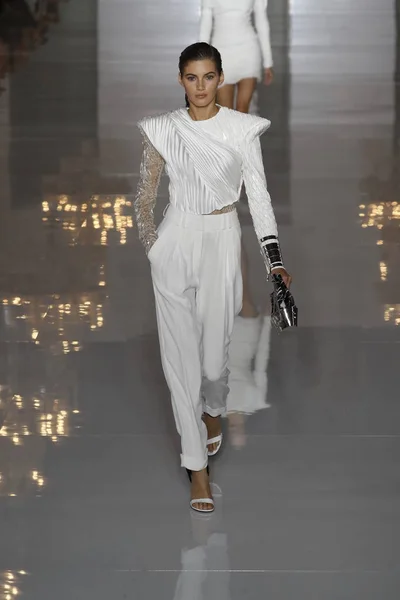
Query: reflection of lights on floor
[58,316]
[15,301]
[38,478]
[392,313]
[384,270]
[53,425]
[87,311]
[18,401]
[54,315]
[100,213]
[379,214]
[9,584]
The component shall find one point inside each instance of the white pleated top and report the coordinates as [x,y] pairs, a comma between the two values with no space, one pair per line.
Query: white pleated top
[207,162]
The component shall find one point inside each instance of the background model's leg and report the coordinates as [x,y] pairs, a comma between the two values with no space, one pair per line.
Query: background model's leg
[245,91]
[226,96]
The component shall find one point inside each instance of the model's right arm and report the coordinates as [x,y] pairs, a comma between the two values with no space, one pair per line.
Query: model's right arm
[206,21]
[151,168]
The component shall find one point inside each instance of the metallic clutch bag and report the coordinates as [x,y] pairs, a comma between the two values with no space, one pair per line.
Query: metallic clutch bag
[283,308]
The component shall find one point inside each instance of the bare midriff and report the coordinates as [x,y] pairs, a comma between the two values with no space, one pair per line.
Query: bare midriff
[225,209]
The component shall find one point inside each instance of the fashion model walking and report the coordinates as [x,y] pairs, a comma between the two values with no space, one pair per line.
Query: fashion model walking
[208,151]
[245,50]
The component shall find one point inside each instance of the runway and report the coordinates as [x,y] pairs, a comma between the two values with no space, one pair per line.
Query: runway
[93,503]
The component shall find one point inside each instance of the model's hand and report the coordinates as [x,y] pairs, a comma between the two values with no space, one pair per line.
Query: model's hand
[284,274]
[268,76]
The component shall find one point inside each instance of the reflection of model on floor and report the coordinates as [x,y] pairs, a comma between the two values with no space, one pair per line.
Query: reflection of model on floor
[205,566]
[248,382]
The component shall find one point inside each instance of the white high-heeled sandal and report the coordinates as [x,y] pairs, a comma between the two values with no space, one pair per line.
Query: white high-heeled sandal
[215,440]
[205,501]
[201,500]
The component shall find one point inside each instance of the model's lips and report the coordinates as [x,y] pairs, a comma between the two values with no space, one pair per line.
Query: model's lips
[201,96]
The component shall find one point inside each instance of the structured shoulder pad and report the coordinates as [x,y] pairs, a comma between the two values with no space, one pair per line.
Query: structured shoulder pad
[250,126]
[154,128]
[254,126]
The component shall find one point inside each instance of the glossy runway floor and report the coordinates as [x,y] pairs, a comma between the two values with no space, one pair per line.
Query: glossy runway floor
[93,504]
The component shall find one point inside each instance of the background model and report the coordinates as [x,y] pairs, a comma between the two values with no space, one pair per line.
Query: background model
[245,49]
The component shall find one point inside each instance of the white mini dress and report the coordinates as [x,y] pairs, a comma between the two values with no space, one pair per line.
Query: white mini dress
[227,25]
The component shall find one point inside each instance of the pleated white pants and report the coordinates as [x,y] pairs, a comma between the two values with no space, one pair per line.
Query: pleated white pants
[195,266]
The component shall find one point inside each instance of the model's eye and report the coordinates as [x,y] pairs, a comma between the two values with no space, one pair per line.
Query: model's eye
[210,77]
[191,78]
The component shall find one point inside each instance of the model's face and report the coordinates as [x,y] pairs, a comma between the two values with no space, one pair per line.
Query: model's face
[201,79]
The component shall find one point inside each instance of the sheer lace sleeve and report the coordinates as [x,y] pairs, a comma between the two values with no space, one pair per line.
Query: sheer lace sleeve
[151,169]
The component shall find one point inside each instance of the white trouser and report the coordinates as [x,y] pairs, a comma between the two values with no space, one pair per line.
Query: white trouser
[195,266]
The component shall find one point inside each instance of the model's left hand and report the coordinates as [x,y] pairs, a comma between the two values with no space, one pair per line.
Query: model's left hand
[285,276]
[268,76]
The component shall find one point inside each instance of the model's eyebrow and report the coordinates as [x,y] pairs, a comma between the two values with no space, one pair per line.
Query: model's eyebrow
[193,75]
